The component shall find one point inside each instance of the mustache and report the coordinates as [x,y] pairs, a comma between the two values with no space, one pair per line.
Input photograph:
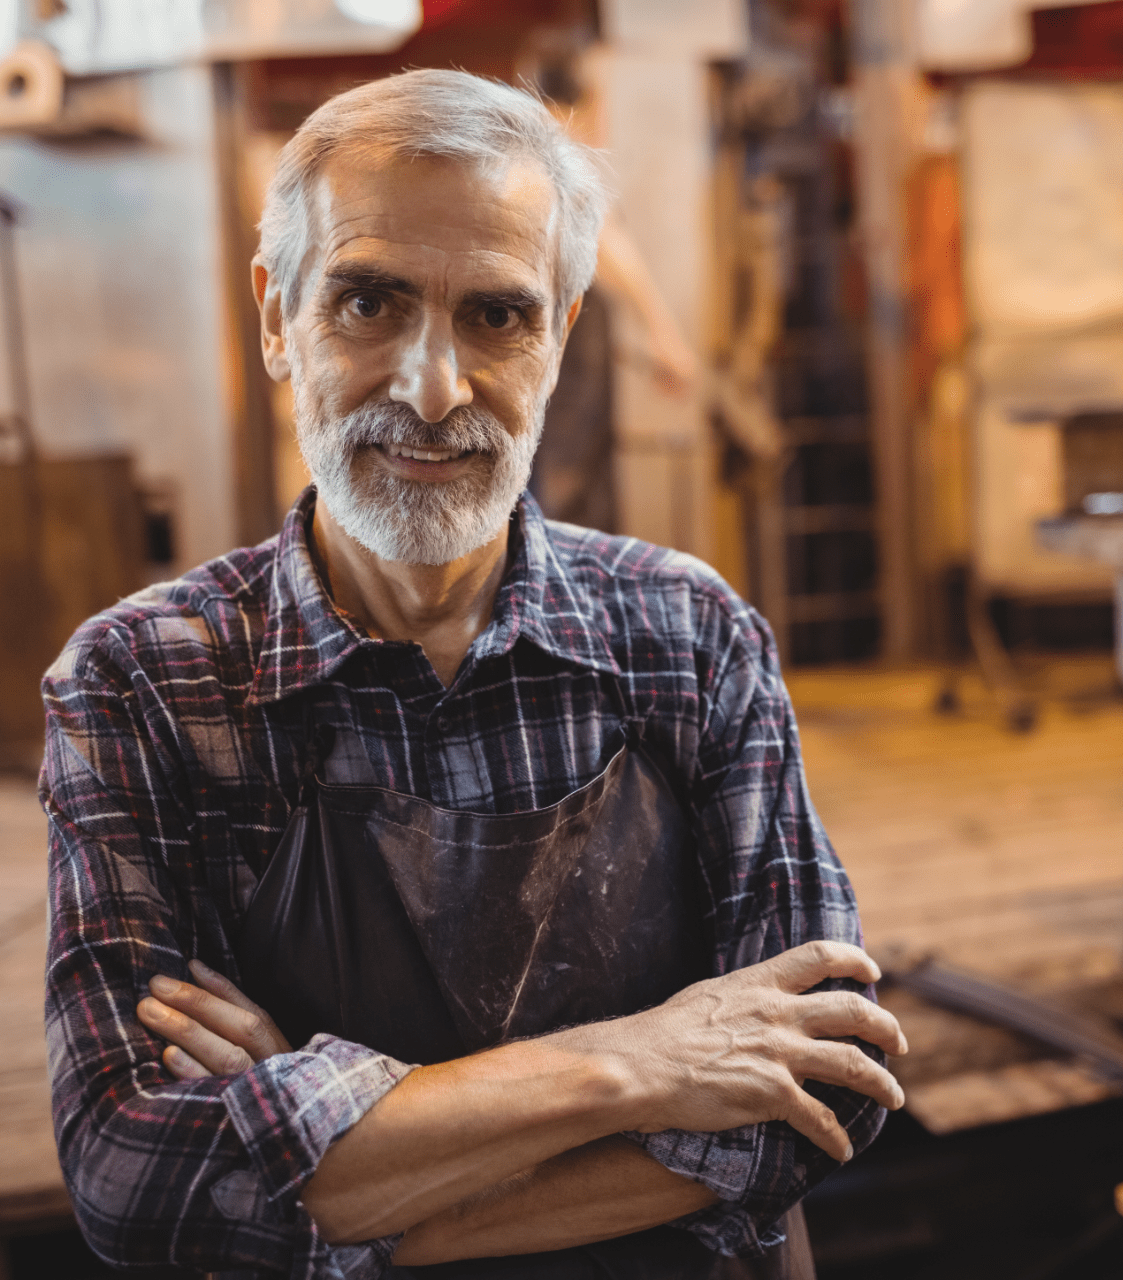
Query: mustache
[464,428]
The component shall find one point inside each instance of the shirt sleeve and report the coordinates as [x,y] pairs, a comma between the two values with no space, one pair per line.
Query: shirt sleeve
[206,1174]
[773,882]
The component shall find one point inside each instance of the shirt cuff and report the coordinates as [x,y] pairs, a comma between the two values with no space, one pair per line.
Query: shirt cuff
[735,1164]
[288,1110]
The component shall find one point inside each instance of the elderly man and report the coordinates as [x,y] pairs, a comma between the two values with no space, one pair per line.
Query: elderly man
[501,823]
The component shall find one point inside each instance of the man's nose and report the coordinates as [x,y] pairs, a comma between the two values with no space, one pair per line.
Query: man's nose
[428,375]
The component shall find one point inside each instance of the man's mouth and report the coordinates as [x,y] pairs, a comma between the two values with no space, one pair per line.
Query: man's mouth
[423,455]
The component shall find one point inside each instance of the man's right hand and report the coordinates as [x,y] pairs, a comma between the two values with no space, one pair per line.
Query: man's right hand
[736,1050]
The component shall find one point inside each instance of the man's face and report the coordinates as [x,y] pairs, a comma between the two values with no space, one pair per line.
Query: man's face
[425,328]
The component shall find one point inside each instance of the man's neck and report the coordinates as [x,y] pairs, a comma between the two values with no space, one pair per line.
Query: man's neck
[442,607]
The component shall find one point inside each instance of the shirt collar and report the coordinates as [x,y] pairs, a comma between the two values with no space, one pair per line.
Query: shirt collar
[542,601]
[307,638]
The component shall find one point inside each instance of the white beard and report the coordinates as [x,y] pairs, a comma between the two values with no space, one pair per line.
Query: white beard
[416,521]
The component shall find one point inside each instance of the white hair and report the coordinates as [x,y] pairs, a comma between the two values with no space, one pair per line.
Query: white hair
[436,113]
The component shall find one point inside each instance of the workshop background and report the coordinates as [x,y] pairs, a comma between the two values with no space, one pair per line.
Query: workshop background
[868,362]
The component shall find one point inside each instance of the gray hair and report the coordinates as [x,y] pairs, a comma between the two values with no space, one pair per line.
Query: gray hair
[436,113]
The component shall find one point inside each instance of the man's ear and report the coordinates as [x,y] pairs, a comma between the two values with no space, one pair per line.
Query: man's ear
[268,295]
[570,317]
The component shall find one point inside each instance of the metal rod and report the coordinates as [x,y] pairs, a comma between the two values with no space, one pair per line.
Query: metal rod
[1073,1033]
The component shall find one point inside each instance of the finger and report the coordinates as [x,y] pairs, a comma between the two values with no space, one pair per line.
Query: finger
[183,1066]
[219,1056]
[815,1120]
[250,1028]
[845,1013]
[846,1065]
[808,965]
[220,985]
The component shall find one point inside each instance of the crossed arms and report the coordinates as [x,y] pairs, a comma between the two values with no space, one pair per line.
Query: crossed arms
[518,1149]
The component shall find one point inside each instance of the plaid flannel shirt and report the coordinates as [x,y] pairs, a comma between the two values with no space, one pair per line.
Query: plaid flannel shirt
[174,752]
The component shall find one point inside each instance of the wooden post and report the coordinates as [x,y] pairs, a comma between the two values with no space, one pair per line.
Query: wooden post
[251,408]
[887,99]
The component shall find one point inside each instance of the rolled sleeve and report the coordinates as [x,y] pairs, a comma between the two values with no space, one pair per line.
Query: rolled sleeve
[290,1108]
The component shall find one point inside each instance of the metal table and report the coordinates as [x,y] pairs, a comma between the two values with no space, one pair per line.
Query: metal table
[1095,538]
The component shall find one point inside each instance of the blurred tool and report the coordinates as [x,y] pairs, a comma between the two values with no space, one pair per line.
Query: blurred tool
[1093,1039]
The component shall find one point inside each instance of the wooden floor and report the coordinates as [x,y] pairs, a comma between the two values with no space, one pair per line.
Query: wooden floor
[993,852]
[30,1182]
[1001,853]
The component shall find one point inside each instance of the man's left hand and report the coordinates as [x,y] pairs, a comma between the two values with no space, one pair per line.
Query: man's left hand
[212,1028]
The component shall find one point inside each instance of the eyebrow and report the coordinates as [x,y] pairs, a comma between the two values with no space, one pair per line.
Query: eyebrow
[369,279]
[516,297]
[372,280]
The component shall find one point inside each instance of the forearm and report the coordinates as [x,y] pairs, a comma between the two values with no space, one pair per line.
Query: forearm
[604,1189]
[723,1053]
[449,1131]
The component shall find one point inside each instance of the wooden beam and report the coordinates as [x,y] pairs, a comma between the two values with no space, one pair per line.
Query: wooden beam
[887,98]
[255,503]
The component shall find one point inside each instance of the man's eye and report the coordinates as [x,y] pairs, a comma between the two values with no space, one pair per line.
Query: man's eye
[367,305]
[498,317]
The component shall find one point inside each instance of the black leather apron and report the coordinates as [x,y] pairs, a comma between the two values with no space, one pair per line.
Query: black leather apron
[429,934]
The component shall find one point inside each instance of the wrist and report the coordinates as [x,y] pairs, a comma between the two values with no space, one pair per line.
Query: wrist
[613,1076]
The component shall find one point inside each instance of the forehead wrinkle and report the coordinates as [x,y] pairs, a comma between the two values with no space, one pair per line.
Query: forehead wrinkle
[336,216]
[335,212]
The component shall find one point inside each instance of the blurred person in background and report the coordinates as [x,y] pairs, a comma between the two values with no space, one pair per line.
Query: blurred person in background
[572,477]
[433,885]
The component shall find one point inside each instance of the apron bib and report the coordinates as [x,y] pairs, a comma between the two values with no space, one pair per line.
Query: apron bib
[429,934]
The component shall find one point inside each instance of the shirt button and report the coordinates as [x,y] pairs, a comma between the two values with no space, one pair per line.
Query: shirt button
[443,723]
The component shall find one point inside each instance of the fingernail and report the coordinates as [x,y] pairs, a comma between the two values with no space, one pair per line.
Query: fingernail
[900,1097]
[204,969]
[176,1056]
[849,1154]
[162,986]
[154,1011]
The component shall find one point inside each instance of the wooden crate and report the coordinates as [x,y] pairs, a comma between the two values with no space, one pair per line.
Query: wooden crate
[72,541]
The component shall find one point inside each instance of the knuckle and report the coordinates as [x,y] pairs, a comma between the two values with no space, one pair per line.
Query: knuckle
[233,1060]
[190,997]
[247,1023]
[854,1061]
[825,953]
[791,1099]
[858,1008]
[769,1006]
[772,1046]
[223,984]
[258,1037]
[826,1119]
[179,1024]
